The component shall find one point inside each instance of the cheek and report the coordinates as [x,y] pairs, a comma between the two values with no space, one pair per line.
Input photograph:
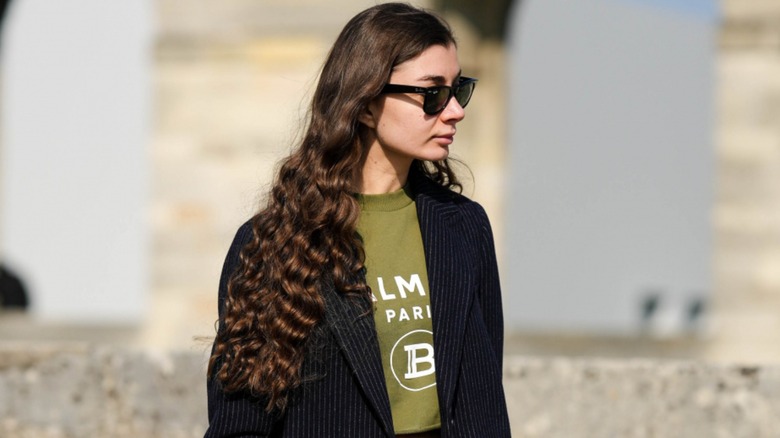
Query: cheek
[402,133]
[406,123]
[401,124]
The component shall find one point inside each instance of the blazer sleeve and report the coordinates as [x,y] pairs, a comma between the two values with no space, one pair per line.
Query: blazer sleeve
[489,286]
[235,414]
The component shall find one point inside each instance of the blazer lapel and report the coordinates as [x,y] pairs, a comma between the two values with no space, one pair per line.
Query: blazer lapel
[352,323]
[451,280]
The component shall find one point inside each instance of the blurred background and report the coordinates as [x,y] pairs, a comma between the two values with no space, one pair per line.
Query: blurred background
[627,153]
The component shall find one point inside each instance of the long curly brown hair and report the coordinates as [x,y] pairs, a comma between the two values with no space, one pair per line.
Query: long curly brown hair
[307,230]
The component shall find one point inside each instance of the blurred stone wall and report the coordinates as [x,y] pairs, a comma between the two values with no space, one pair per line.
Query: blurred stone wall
[231,79]
[80,392]
[747,208]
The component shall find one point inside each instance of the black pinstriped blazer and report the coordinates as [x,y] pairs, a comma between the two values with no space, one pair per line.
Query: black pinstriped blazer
[345,394]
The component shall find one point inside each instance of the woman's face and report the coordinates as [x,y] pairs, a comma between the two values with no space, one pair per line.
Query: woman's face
[401,131]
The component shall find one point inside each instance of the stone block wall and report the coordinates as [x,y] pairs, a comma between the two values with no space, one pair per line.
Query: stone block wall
[230,85]
[747,207]
[78,391]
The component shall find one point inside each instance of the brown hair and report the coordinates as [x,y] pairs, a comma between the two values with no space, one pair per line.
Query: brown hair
[307,230]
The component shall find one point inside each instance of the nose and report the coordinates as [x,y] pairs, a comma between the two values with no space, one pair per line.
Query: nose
[453,111]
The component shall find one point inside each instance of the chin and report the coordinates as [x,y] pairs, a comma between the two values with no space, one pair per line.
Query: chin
[441,154]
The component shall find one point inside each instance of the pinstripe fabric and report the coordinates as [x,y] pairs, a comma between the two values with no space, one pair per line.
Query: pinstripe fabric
[346,395]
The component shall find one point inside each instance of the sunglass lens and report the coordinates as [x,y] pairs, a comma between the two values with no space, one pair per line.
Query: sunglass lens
[463,95]
[436,99]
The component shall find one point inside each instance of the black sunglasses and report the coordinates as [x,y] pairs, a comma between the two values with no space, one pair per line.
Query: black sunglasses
[437,98]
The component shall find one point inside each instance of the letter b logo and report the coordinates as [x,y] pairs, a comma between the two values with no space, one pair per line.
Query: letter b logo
[412,360]
[418,354]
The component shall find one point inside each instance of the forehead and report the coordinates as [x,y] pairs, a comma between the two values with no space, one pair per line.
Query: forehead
[435,61]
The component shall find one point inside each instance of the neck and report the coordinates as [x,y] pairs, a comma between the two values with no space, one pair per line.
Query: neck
[383,172]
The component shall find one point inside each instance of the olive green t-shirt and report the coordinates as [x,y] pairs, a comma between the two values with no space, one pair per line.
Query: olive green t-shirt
[396,273]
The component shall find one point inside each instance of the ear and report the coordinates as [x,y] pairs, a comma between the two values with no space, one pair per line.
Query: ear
[367,116]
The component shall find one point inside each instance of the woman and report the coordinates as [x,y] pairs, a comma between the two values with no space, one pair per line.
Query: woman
[363,300]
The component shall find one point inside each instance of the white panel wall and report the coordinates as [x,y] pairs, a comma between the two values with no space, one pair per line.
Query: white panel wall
[75,131]
[611,163]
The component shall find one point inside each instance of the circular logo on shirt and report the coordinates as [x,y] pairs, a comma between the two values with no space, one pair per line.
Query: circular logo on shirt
[411,360]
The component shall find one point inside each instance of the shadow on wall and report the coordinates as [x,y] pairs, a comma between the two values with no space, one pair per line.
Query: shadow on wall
[3,9]
[13,294]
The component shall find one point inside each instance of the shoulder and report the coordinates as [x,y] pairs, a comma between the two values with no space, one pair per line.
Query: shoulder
[444,198]
[243,235]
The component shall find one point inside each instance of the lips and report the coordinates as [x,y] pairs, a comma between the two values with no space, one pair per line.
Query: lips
[446,136]
[444,140]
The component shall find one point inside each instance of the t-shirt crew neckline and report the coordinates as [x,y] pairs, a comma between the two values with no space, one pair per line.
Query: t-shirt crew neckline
[385,201]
